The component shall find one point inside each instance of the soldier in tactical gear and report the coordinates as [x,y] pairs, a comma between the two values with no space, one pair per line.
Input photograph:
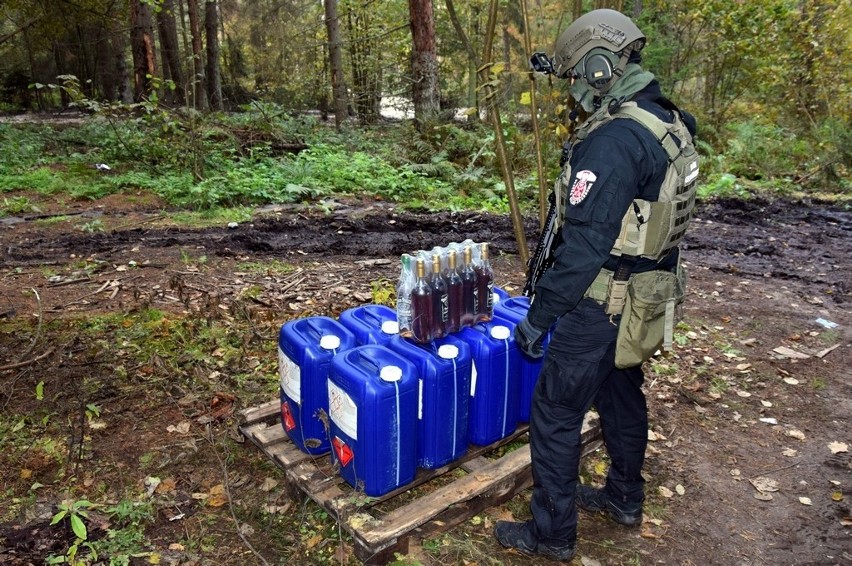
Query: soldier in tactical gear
[623,202]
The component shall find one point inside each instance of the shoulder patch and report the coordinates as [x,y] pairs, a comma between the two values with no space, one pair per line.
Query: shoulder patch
[583,182]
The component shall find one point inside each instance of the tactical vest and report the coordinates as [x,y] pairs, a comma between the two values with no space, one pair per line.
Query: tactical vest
[649,229]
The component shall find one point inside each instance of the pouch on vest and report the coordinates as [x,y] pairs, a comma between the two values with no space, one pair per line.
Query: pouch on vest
[647,322]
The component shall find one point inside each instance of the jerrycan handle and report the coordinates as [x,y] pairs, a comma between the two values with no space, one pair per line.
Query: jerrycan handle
[316,331]
[368,363]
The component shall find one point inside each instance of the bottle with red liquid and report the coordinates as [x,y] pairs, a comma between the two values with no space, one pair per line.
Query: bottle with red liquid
[440,299]
[470,293]
[485,285]
[455,302]
[421,305]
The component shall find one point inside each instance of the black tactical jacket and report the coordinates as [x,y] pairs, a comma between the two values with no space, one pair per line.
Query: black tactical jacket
[627,162]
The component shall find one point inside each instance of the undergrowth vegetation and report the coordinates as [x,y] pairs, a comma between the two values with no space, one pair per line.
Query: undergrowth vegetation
[265,155]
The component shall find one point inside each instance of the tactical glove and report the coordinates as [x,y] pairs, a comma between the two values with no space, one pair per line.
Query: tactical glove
[529,339]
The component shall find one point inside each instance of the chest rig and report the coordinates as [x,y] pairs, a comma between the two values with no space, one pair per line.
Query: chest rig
[649,229]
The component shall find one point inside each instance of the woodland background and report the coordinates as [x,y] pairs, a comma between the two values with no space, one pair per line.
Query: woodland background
[767,80]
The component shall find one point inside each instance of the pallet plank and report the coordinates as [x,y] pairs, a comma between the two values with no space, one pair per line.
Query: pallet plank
[377,535]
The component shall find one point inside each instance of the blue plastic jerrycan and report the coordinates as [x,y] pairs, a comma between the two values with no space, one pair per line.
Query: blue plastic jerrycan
[305,349]
[372,397]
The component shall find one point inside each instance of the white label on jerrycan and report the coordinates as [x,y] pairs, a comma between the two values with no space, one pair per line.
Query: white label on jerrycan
[291,377]
[342,410]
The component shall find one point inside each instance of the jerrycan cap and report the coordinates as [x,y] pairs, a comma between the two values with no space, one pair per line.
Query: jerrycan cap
[390,373]
[390,327]
[448,352]
[330,342]
[500,332]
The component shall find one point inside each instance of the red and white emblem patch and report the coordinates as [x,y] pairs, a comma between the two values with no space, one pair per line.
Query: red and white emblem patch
[583,182]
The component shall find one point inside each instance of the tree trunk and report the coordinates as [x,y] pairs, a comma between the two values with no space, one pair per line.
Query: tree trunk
[366,67]
[198,80]
[214,78]
[332,26]
[637,8]
[142,46]
[125,89]
[424,61]
[472,57]
[170,49]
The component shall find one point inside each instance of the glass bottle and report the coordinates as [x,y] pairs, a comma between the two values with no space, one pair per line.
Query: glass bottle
[454,293]
[470,293]
[485,285]
[440,299]
[403,296]
[421,304]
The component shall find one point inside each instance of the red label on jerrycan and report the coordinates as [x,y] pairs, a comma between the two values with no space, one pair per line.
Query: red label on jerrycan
[371,324]
[443,371]
[372,400]
[495,381]
[305,349]
[512,311]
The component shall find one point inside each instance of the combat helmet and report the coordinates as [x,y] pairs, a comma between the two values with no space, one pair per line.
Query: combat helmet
[605,29]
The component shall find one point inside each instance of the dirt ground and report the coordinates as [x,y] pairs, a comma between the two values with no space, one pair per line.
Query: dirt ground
[748,461]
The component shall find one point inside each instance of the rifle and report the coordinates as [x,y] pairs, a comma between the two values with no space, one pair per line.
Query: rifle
[543,257]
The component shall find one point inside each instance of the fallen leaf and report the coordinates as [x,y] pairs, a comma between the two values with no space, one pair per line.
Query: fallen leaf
[217,496]
[763,496]
[791,381]
[796,434]
[768,420]
[766,403]
[837,496]
[846,521]
[268,484]
[805,501]
[743,367]
[313,541]
[790,353]
[836,447]
[764,484]
[151,484]
[666,492]
[586,561]
[823,353]
[742,393]
[277,508]
[26,474]
[789,452]
[680,489]
[735,473]
[168,485]
[176,546]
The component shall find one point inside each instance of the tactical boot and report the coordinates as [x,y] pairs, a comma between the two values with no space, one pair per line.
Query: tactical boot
[518,535]
[597,500]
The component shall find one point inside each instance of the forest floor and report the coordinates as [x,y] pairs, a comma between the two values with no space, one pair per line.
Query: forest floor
[748,460]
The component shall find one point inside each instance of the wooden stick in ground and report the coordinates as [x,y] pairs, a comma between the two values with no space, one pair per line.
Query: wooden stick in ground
[542,182]
[500,142]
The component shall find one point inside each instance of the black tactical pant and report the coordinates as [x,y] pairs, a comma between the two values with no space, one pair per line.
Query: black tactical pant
[579,371]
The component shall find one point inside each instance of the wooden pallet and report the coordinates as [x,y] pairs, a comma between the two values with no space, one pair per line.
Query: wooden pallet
[435,501]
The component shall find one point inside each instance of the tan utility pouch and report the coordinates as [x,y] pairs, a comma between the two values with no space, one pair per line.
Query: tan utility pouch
[650,313]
